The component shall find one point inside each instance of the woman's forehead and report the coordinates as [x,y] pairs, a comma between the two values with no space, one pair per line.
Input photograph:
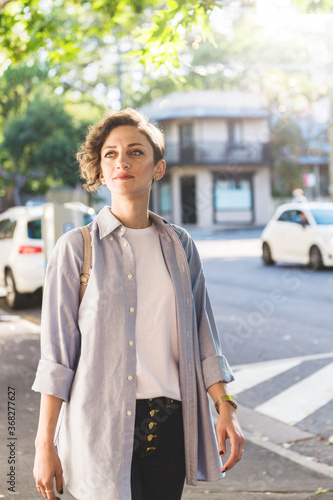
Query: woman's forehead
[127,133]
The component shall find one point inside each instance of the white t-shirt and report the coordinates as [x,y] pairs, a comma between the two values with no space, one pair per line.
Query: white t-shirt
[157,358]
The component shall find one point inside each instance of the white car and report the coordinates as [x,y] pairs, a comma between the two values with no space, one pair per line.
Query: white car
[22,263]
[301,233]
[22,249]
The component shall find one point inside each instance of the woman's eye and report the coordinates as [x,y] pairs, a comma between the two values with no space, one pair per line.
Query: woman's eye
[109,154]
[137,152]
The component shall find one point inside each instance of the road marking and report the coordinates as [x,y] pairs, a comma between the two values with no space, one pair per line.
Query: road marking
[253,375]
[301,399]
[308,357]
[33,327]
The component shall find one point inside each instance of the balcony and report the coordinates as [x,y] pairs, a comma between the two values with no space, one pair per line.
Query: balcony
[218,153]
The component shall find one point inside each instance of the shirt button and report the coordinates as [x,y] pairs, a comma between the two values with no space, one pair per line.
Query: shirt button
[111,238]
[132,309]
[130,276]
[131,343]
[129,413]
[125,243]
[122,229]
[130,378]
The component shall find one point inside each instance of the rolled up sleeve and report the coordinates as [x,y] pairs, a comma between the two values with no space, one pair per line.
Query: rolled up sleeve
[60,335]
[53,378]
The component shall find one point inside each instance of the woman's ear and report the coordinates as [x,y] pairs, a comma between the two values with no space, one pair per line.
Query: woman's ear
[159,170]
[101,178]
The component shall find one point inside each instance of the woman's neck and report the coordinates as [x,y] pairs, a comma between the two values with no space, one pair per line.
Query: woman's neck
[131,213]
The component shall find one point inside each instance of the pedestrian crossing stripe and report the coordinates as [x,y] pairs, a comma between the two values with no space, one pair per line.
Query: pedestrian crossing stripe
[301,399]
[254,375]
[295,403]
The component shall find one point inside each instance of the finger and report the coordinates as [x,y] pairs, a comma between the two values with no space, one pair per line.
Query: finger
[235,454]
[49,493]
[221,441]
[59,483]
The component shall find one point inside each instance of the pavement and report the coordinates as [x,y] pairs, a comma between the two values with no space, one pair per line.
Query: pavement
[279,461]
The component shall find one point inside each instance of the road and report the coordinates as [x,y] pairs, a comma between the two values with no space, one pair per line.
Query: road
[275,325]
[275,328]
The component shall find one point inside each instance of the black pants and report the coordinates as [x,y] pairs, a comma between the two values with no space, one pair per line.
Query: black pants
[158,462]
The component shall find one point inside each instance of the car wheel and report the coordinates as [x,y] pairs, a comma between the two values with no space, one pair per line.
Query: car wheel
[316,260]
[266,255]
[13,298]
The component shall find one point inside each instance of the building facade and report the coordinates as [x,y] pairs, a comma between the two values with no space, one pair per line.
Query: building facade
[217,155]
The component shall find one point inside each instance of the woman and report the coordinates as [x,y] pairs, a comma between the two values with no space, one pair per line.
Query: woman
[134,361]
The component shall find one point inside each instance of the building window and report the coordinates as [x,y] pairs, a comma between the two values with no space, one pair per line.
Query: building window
[164,197]
[235,132]
[233,194]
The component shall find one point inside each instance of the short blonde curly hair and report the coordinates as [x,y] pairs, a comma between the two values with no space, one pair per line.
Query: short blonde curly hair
[89,154]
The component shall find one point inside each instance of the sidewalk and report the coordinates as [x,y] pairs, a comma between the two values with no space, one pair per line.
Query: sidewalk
[270,468]
[264,475]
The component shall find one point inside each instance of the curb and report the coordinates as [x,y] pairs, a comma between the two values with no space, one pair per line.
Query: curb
[297,458]
[272,435]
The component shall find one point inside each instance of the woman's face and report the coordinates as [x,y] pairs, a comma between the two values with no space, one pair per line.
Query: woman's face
[127,163]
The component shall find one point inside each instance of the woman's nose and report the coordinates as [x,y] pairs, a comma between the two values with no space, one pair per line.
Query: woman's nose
[123,161]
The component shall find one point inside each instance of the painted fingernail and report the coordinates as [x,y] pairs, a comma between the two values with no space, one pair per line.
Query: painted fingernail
[61,491]
[221,452]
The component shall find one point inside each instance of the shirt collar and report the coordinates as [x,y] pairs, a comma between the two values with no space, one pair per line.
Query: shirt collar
[107,222]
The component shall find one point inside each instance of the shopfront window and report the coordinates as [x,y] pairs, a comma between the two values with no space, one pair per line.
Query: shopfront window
[233,194]
[164,197]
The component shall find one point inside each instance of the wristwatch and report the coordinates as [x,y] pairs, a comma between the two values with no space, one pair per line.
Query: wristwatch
[226,398]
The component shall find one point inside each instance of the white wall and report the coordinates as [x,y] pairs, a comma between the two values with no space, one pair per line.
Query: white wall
[262,196]
[216,129]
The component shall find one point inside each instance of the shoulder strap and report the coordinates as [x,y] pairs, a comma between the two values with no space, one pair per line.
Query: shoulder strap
[84,277]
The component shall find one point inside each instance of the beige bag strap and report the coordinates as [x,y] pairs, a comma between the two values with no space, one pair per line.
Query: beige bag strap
[84,277]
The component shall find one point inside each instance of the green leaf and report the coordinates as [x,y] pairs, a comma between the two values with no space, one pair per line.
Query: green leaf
[320,490]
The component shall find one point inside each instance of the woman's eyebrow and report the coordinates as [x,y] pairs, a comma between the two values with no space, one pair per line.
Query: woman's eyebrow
[129,145]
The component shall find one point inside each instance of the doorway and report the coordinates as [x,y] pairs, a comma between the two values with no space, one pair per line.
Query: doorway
[188,197]
[186,143]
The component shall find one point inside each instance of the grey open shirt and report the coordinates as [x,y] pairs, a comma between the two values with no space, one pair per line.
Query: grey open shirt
[88,352]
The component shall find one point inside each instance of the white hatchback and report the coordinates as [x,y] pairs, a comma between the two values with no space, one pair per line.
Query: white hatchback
[22,263]
[22,249]
[301,233]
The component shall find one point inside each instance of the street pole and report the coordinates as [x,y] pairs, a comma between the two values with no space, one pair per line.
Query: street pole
[119,76]
[329,45]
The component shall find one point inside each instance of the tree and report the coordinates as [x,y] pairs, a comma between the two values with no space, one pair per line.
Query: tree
[38,147]
[59,28]
[287,146]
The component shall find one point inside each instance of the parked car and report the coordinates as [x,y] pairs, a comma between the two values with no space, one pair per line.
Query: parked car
[22,264]
[22,249]
[301,233]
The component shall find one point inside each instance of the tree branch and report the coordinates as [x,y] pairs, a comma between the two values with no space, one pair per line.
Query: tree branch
[3,3]
[7,175]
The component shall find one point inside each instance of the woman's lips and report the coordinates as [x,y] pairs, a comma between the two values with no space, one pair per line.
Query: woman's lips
[123,177]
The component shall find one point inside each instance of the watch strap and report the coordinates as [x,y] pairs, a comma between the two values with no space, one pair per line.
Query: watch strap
[227,398]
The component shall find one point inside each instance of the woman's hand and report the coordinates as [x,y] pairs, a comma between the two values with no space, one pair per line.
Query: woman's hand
[228,427]
[47,467]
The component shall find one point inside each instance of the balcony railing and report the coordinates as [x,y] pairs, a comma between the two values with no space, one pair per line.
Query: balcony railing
[218,153]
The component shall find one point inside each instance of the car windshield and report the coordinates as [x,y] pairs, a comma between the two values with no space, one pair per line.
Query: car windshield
[323,215]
